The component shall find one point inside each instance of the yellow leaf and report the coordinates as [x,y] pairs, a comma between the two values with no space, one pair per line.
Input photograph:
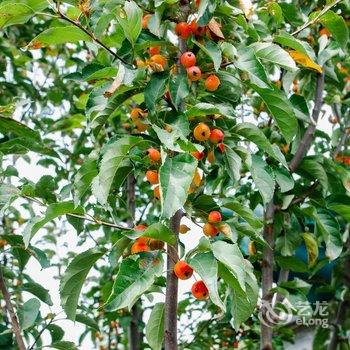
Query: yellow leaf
[304,60]
[215,27]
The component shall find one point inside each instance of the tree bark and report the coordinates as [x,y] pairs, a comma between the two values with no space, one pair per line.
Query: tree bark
[171,295]
[135,335]
[9,308]
[267,275]
[308,137]
[268,260]
[343,305]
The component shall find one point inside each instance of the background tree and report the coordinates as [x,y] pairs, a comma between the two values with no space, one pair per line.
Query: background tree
[151,116]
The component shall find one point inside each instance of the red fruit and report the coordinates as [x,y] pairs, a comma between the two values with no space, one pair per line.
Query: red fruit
[152,177]
[221,147]
[145,20]
[140,228]
[214,217]
[156,192]
[198,2]
[183,30]
[193,26]
[235,345]
[216,136]
[182,270]
[212,83]
[159,59]
[194,73]
[153,155]
[198,155]
[188,59]
[154,50]
[201,132]
[139,247]
[200,31]
[210,230]
[200,290]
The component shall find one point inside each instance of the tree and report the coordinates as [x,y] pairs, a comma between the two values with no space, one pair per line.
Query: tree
[146,117]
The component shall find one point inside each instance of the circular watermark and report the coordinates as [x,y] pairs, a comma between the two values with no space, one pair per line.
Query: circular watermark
[271,316]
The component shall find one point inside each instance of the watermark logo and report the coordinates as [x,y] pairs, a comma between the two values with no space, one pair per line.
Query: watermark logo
[302,313]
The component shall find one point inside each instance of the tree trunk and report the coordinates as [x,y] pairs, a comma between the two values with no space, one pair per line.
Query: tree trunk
[135,335]
[9,308]
[267,264]
[267,276]
[172,287]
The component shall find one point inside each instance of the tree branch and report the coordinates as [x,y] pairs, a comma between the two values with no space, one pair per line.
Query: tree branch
[267,274]
[83,217]
[135,336]
[171,294]
[314,20]
[91,35]
[9,308]
[306,141]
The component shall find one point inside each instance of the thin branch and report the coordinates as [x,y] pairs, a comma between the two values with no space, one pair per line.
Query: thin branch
[40,333]
[13,318]
[83,217]
[305,143]
[92,36]
[314,20]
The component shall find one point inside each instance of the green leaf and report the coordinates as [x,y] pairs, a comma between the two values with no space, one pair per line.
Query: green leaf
[39,291]
[160,232]
[131,21]
[311,247]
[22,145]
[84,177]
[281,110]
[203,109]
[249,63]
[206,267]
[14,13]
[316,171]
[328,226]
[59,35]
[274,54]
[288,40]
[231,256]
[53,211]
[262,178]
[56,332]
[175,177]
[178,89]
[243,304]
[337,26]
[115,156]
[245,213]
[28,313]
[8,193]
[233,163]
[155,89]
[252,133]
[74,278]
[155,327]
[284,179]
[212,50]
[63,345]
[340,204]
[9,125]
[99,108]
[132,281]
[87,321]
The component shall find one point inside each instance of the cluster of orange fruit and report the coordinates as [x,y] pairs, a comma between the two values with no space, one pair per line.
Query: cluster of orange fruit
[343,159]
[145,244]
[203,133]
[211,229]
[183,271]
